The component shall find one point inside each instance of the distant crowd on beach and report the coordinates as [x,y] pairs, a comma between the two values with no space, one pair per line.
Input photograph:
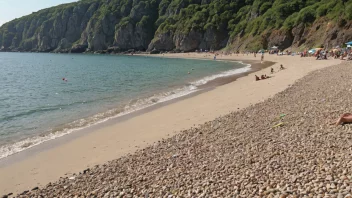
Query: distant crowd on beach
[216,54]
[323,54]
[318,53]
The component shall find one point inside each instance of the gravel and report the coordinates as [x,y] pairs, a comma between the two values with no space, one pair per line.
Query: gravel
[241,154]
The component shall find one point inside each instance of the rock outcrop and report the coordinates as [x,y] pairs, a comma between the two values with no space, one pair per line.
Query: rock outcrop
[191,41]
[165,25]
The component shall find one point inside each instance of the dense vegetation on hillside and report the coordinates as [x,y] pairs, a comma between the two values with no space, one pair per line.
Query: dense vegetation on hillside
[186,25]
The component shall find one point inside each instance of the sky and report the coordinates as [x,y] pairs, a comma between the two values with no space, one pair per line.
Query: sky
[11,9]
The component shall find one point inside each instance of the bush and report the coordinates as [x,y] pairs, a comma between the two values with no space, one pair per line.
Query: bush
[266,6]
[348,11]
[290,21]
[124,22]
[144,21]
[306,15]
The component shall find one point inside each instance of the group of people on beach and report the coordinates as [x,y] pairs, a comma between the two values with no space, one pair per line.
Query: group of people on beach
[346,54]
[319,54]
[263,77]
[324,54]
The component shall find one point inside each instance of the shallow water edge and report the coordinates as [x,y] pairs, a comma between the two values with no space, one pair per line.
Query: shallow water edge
[209,85]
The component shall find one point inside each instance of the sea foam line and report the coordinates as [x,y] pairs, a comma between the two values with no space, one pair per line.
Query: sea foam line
[223,74]
[139,104]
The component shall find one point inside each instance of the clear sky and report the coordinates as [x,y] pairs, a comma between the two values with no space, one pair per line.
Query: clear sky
[11,9]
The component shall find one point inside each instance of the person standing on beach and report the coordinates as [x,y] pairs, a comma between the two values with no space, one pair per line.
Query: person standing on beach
[262,58]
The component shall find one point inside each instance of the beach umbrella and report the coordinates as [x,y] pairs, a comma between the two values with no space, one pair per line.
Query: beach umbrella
[312,51]
[349,43]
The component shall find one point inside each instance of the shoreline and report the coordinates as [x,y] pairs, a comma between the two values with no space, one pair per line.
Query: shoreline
[209,84]
[211,104]
[236,156]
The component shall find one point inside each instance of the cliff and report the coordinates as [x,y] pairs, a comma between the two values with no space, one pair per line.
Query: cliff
[180,25]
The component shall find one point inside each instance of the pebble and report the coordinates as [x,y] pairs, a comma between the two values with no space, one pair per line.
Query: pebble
[35,188]
[240,154]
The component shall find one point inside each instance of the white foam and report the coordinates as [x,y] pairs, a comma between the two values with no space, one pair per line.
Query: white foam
[223,74]
[133,106]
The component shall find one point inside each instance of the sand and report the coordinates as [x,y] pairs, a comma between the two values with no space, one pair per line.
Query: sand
[61,158]
[241,154]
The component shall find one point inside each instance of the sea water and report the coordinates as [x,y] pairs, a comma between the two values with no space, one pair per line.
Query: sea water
[45,96]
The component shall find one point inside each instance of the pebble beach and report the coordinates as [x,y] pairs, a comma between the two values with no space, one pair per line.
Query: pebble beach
[281,147]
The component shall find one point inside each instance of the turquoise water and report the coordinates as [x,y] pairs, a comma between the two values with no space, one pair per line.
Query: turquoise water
[45,96]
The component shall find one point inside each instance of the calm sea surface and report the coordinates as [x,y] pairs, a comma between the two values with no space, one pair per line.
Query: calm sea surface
[44,96]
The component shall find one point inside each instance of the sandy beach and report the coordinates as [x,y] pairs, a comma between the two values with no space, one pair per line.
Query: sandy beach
[74,153]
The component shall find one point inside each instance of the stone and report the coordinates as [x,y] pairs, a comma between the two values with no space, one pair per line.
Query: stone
[35,188]
[86,170]
[283,196]
[242,157]
[24,192]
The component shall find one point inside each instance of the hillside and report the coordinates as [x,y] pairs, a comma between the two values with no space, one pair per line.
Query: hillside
[183,25]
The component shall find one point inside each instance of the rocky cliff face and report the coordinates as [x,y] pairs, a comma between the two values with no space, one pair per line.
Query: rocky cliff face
[321,33]
[58,33]
[191,41]
[164,25]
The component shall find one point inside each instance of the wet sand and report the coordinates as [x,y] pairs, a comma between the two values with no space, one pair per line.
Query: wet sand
[255,66]
[242,154]
[113,140]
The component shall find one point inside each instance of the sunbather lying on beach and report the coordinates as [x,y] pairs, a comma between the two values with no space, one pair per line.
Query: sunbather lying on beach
[262,77]
[256,78]
[345,118]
